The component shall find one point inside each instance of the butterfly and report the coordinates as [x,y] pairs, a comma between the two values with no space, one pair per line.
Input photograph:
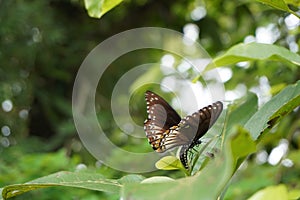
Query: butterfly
[165,129]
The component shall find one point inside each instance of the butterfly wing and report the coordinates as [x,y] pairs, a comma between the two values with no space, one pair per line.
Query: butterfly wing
[195,126]
[162,120]
[165,129]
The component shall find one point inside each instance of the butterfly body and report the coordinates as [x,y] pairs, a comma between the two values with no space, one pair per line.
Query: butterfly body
[165,129]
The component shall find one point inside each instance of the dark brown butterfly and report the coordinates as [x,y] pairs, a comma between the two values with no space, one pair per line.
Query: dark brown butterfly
[165,129]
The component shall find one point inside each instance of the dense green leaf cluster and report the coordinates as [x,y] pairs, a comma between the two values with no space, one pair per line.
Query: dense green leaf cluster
[43,43]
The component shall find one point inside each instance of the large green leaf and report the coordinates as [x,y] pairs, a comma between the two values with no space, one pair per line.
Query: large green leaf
[97,8]
[255,51]
[279,4]
[293,2]
[91,181]
[216,175]
[244,111]
[271,112]
[279,192]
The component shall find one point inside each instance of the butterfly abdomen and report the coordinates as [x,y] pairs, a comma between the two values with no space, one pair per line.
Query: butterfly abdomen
[183,156]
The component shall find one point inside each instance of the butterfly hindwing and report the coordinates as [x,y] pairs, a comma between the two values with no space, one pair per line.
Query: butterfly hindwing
[196,125]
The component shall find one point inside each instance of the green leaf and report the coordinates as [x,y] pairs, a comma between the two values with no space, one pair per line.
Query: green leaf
[219,173]
[97,8]
[242,112]
[273,192]
[271,112]
[216,175]
[70,179]
[241,149]
[251,179]
[278,4]
[131,178]
[157,179]
[169,163]
[295,3]
[294,194]
[255,51]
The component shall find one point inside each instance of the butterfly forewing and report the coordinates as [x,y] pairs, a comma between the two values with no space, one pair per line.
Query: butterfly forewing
[157,107]
[161,119]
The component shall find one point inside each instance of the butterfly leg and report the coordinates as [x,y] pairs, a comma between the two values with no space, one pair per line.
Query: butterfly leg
[192,150]
[197,143]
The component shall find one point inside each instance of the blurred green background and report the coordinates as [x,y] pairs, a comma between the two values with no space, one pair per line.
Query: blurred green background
[43,43]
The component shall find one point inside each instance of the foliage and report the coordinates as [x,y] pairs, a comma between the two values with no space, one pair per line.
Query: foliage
[282,5]
[43,44]
[237,147]
[99,8]
[246,52]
